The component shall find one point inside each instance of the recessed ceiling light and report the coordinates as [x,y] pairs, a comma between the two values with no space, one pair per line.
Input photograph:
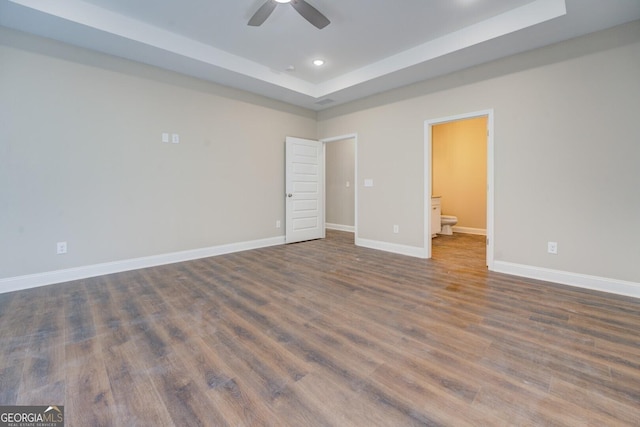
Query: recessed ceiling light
[318,62]
[283,1]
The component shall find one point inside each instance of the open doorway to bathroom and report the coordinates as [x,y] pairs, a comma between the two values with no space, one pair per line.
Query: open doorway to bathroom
[459,186]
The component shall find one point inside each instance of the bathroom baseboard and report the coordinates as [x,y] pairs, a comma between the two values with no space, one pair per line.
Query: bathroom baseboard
[59,276]
[603,284]
[339,227]
[469,230]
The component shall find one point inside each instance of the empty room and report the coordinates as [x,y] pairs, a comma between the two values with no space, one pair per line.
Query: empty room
[319,213]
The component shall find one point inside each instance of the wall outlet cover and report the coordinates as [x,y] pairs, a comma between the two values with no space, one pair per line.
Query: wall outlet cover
[61,248]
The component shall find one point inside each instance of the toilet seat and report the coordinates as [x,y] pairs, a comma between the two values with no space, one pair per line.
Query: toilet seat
[448,219]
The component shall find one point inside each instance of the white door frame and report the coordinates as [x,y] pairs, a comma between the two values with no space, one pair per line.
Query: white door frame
[428,124]
[353,136]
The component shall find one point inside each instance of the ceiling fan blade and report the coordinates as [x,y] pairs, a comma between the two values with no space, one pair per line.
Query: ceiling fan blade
[262,14]
[310,13]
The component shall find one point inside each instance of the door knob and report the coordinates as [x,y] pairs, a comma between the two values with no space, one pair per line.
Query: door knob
[289,195]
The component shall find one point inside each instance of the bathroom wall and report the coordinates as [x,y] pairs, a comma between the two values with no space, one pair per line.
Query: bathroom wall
[340,176]
[460,171]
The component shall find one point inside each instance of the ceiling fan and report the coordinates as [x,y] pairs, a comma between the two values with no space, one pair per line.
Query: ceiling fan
[307,11]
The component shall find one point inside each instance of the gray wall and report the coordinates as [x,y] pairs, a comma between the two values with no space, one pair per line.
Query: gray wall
[81,159]
[567,146]
[340,170]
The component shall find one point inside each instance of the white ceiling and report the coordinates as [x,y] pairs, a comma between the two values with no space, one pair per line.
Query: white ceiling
[370,45]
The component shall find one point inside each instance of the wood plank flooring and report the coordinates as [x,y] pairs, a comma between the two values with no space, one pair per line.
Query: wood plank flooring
[323,333]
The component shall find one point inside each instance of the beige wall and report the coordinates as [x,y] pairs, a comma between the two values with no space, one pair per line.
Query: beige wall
[459,172]
[566,153]
[81,159]
[340,172]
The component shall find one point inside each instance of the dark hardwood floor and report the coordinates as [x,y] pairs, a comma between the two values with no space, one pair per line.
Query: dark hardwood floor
[323,333]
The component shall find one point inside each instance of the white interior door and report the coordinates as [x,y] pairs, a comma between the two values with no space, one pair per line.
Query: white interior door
[304,192]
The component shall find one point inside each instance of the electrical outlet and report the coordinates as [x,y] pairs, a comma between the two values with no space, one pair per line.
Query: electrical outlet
[552,247]
[396,229]
[278,224]
[61,248]
[175,138]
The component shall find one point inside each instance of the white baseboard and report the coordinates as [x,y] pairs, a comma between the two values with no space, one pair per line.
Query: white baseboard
[469,230]
[349,228]
[603,284]
[413,251]
[595,283]
[48,278]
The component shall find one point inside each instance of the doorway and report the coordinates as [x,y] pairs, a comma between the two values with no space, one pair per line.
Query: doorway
[305,187]
[341,178]
[456,204]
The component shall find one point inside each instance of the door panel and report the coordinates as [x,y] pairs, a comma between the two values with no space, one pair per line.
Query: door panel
[304,191]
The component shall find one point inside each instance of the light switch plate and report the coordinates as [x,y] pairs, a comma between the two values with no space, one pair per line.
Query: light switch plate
[368,183]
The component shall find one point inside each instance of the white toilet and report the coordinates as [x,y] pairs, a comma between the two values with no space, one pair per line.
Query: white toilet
[448,221]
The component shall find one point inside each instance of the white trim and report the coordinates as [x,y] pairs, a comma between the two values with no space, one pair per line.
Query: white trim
[105,25]
[528,15]
[427,190]
[339,227]
[469,230]
[585,281]
[489,114]
[490,190]
[51,277]
[414,251]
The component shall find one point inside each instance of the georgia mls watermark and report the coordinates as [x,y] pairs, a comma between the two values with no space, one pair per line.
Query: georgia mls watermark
[32,416]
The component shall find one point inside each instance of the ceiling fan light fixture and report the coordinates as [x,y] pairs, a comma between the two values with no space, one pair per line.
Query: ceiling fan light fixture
[307,11]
